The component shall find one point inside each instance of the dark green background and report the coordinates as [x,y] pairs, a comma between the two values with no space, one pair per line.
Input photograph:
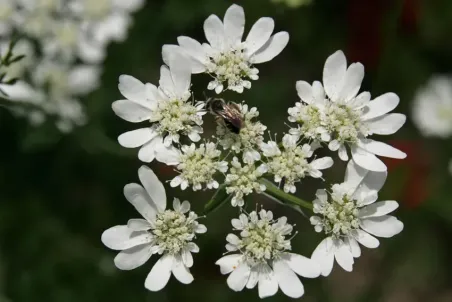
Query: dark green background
[58,193]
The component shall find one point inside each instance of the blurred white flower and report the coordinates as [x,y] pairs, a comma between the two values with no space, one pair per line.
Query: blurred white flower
[350,214]
[167,107]
[344,118]
[248,140]
[162,231]
[291,162]
[432,107]
[196,165]
[263,257]
[8,16]
[242,180]
[226,58]
[293,3]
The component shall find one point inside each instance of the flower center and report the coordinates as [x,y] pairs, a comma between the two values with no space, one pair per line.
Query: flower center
[176,115]
[340,216]
[308,116]
[344,123]
[198,166]
[232,67]
[291,164]
[264,240]
[173,230]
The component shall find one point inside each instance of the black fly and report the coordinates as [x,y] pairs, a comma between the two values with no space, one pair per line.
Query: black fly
[228,112]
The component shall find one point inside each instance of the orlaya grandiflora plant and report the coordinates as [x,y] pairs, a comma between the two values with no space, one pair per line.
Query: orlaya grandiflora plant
[239,161]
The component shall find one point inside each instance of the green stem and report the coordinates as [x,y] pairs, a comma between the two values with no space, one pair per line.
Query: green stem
[277,193]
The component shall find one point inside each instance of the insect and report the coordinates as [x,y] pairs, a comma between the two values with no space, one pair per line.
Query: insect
[228,112]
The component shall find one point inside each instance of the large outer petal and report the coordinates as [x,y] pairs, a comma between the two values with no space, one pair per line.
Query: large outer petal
[229,262]
[271,49]
[324,256]
[301,265]
[180,68]
[287,280]
[367,160]
[259,34]
[381,149]
[334,74]
[352,82]
[234,24]
[153,186]
[239,277]
[378,208]
[134,257]
[386,124]
[214,31]
[130,111]
[381,105]
[382,226]
[160,273]
[136,138]
[140,199]
[268,285]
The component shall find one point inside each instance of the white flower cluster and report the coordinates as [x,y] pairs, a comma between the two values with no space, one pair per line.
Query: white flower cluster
[240,156]
[64,43]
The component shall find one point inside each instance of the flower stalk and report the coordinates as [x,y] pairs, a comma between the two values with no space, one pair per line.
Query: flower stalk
[277,193]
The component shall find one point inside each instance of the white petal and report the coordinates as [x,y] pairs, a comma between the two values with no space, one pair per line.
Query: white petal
[193,48]
[234,24]
[381,105]
[324,256]
[272,48]
[170,156]
[254,277]
[318,93]
[136,138]
[367,160]
[354,246]
[200,229]
[176,204]
[386,124]
[185,206]
[166,81]
[229,263]
[192,247]
[180,68]
[303,266]
[133,89]
[343,153]
[214,31]
[304,91]
[322,163]
[344,256]
[194,136]
[168,51]
[354,174]
[139,198]
[115,237]
[153,186]
[259,34]
[239,277]
[334,74]
[181,272]
[134,257]
[365,239]
[378,209]
[382,149]
[287,280]
[187,257]
[130,111]
[83,79]
[147,152]
[268,285]
[352,82]
[382,226]
[233,239]
[160,274]
[138,224]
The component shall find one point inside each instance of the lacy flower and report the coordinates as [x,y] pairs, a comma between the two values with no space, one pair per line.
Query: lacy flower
[226,58]
[432,107]
[291,162]
[162,231]
[350,214]
[343,117]
[261,257]
[167,107]
[197,166]
[250,137]
[243,180]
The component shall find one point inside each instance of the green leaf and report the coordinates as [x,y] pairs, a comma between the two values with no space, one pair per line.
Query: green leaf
[218,199]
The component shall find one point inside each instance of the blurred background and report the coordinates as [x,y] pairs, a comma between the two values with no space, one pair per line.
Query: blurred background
[60,190]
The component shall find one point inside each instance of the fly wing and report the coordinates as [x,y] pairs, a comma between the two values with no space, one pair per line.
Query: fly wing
[232,114]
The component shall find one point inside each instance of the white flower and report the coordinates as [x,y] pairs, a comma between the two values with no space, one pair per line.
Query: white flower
[263,257]
[226,58]
[351,215]
[8,16]
[432,107]
[343,117]
[162,231]
[250,137]
[243,180]
[167,107]
[291,163]
[197,166]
